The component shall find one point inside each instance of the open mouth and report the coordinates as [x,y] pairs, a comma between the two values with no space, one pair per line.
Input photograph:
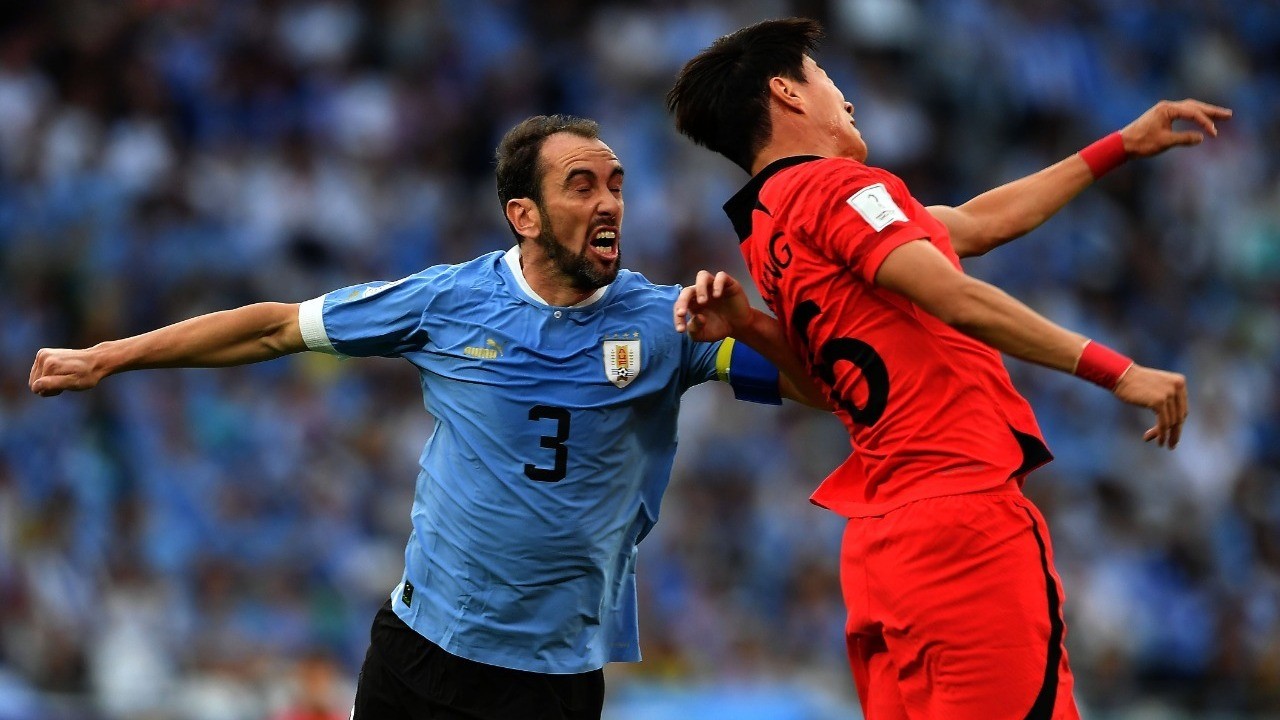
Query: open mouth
[604,243]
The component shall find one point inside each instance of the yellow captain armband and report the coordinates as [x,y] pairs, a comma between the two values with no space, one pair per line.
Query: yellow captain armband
[723,359]
[751,375]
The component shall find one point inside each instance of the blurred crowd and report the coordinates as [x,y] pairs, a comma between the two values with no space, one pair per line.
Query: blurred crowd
[212,544]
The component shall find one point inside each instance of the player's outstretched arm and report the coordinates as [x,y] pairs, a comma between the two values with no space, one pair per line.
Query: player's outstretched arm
[715,307]
[1014,209]
[922,274]
[230,337]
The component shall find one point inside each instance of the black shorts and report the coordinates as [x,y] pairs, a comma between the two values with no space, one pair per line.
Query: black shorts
[407,677]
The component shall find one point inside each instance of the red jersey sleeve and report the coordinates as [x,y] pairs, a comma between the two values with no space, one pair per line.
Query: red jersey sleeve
[858,215]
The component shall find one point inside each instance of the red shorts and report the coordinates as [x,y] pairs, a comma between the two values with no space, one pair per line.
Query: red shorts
[955,611]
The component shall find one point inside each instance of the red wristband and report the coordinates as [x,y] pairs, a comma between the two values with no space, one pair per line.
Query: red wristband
[1101,365]
[1105,155]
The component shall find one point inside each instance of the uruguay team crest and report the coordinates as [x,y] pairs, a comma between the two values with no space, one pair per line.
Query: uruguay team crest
[622,358]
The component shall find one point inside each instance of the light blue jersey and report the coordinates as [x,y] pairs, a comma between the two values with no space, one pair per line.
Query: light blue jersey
[554,438]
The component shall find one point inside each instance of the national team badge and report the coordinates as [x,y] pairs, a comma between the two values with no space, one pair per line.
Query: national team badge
[622,358]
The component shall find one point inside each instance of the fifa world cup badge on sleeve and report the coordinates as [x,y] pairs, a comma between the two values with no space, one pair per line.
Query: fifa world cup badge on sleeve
[876,206]
[622,357]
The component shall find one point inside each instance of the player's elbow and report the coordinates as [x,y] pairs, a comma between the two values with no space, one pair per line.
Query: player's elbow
[280,333]
[990,230]
[972,239]
[971,247]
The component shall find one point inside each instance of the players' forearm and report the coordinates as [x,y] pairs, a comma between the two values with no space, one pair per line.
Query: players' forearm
[921,273]
[1013,209]
[1010,211]
[763,333]
[989,314]
[230,337]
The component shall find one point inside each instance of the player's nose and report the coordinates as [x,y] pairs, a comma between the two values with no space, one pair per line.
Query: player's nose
[609,207]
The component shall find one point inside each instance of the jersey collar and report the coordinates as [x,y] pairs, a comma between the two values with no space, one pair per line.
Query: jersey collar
[512,259]
[741,205]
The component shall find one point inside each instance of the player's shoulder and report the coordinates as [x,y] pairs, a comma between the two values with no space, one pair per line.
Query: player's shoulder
[483,266]
[463,275]
[832,182]
[634,286]
[634,296]
[437,284]
[836,173]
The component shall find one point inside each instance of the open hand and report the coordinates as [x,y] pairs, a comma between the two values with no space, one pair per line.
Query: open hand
[712,308]
[1164,393]
[1152,133]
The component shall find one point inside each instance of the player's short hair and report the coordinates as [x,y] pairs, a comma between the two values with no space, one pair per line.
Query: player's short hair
[520,169]
[721,97]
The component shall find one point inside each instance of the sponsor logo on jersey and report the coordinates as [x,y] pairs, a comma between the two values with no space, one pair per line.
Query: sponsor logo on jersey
[491,350]
[622,358]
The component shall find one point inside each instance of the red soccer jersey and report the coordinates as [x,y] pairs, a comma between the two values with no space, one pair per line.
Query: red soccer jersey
[930,411]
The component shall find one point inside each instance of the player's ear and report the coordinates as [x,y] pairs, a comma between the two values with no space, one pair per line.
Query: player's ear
[783,91]
[523,215]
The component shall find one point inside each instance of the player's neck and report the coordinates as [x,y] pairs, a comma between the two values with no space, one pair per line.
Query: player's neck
[549,284]
[791,140]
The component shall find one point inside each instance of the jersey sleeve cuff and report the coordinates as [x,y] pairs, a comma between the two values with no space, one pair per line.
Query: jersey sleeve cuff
[311,324]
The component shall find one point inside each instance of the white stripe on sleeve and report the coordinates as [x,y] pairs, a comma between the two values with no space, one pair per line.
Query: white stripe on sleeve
[311,323]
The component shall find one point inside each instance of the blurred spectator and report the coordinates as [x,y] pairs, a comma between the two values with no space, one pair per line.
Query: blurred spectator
[318,691]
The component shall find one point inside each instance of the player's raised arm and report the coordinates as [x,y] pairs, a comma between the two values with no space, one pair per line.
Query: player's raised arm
[922,274]
[715,307]
[248,334]
[1016,208]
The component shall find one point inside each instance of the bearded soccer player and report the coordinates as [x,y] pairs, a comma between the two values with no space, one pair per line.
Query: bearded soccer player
[554,377]
[954,607]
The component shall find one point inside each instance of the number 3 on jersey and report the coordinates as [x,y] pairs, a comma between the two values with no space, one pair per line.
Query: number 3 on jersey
[834,350]
[551,442]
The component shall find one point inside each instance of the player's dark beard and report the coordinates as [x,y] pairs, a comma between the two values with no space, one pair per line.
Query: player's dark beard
[581,273]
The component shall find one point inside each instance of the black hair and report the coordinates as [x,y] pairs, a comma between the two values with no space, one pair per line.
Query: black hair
[721,97]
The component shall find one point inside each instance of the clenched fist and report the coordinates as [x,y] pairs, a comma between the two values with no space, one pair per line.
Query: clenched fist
[58,369]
